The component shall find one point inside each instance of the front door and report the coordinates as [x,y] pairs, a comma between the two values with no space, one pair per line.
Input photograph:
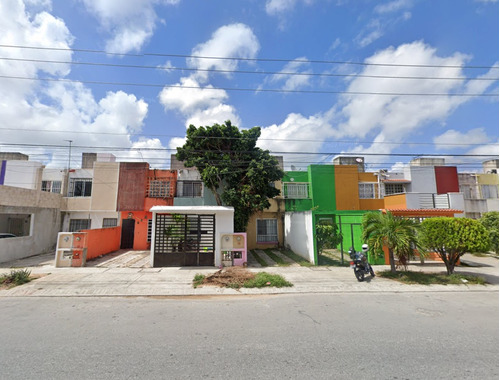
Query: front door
[128,229]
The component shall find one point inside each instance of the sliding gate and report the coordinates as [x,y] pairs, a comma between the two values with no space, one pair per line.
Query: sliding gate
[184,240]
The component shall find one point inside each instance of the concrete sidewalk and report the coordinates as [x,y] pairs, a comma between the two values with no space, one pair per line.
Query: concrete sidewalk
[96,281]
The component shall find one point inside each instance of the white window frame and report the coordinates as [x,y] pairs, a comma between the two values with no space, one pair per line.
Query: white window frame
[195,189]
[389,188]
[271,227]
[52,186]
[296,190]
[86,190]
[109,222]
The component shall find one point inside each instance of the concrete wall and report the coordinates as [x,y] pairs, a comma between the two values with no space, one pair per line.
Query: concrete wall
[44,224]
[95,217]
[23,174]
[423,179]
[102,241]
[299,236]
[132,186]
[105,186]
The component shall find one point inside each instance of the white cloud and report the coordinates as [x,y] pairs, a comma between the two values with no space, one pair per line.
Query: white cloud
[189,97]
[393,6]
[229,41]
[277,7]
[290,81]
[460,139]
[52,112]
[130,22]
[203,104]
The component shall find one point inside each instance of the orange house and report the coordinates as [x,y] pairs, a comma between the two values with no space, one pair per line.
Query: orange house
[139,189]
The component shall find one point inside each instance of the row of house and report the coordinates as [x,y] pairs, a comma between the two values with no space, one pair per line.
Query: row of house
[37,202]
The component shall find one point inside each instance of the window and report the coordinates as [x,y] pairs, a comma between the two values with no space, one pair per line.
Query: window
[80,187]
[296,190]
[394,188]
[150,229]
[366,190]
[189,189]
[489,191]
[159,189]
[52,186]
[267,230]
[109,222]
[79,224]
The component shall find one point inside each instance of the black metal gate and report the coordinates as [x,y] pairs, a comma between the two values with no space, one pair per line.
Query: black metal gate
[184,240]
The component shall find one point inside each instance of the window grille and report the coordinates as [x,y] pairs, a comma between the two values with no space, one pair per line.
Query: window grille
[80,187]
[150,230]
[296,190]
[394,188]
[109,222]
[189,189]
[267,230]
[76,225]
[366,190]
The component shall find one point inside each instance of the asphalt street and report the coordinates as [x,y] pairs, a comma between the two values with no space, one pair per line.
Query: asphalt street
[429,335]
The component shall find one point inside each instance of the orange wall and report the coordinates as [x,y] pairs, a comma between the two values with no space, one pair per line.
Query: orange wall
[141,228]
[101,241]
[371,204]
[346,187]
[150,202]
[395,201]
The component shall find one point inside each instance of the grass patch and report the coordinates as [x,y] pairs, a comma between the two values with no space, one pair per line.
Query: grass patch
[263,280]
[330,261]
[276,258]
[423,278]
[297,258]
[237,277]
[198,280]
[259,259]
[15,278]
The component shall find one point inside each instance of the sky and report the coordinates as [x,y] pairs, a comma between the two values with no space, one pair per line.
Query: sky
[388,80]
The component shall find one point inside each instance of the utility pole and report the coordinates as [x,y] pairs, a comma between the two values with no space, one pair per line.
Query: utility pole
[69,155]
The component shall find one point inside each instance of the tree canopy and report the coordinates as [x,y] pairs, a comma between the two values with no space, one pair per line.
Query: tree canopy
[453,237]
[490,221]
[238,173]
[399,235]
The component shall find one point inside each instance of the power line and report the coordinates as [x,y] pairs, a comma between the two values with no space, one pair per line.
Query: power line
[241,138]
[110,148]
[245,89]
[246,59]
[244,71]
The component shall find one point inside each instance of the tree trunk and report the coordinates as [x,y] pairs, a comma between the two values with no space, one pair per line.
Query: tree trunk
[391,261]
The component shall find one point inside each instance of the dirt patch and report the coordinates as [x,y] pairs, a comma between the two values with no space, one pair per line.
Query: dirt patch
[229,277]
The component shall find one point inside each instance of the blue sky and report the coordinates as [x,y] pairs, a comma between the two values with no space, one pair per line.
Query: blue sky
[319,77]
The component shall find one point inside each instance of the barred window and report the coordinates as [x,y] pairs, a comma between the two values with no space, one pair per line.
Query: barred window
[76,225]
[394,188]
[366,190]
[109,222]
[80,187]
[150,230]
[296,190]
[189,189]
[52,186]
[267,230]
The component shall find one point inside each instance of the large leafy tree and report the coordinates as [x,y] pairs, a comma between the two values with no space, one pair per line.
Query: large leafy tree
[490,221]
[399,235]
[452,237]
[327,236]
[238,173]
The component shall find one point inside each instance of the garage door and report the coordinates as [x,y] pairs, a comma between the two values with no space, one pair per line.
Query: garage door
[184,240]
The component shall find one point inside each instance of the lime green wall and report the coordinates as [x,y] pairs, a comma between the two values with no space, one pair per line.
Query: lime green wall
[297,204]
[322,187]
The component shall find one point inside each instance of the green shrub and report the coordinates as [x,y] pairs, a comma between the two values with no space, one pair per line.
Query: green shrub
[16,277]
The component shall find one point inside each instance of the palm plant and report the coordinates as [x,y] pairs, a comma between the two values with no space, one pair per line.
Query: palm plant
[399,235]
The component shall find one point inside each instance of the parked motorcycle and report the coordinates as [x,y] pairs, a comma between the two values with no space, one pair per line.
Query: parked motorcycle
[360,264]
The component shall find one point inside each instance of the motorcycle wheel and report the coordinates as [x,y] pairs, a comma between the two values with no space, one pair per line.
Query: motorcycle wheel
[372,272]
[359,275]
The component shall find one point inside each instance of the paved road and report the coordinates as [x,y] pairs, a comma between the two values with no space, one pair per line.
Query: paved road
[314,336]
